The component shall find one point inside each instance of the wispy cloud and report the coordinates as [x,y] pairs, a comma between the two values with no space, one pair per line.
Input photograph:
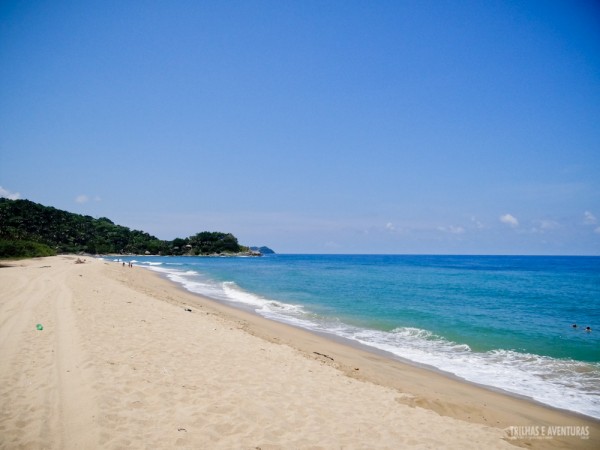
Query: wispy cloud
[541,226]
[589,218]
[452,229]
[477,223]
[390,226]
[510,220]
[597,230]
[85,198]
[5,193]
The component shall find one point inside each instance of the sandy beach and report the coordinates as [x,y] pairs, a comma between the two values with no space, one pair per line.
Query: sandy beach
[126,359]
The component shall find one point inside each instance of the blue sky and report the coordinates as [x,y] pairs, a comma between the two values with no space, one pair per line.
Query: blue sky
[311,126]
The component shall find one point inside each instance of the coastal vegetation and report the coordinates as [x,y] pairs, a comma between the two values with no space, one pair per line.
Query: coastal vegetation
[30,229]
[24,249]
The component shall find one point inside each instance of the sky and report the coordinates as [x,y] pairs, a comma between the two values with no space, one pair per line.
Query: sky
[404,127]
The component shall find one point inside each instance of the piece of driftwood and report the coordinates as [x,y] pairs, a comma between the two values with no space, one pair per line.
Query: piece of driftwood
[324,356]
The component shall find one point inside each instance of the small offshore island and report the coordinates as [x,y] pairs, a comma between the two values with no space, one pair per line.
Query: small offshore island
[29,229]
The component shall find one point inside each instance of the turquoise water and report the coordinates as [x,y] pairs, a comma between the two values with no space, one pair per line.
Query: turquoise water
[501,321]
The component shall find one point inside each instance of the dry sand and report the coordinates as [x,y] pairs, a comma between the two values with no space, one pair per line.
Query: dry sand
[120,363]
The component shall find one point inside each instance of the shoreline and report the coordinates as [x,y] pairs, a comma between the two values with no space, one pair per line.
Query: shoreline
[232,307]
[121,362]
[347,354]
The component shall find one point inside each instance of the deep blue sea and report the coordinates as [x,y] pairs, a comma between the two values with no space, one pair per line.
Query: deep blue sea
[502,321]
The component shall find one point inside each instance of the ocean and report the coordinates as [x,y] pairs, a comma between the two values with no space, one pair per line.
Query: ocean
[501,321]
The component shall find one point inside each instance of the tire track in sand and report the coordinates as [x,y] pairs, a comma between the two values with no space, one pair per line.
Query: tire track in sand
[47,380]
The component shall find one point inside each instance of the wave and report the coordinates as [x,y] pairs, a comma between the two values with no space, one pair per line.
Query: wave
[561,383]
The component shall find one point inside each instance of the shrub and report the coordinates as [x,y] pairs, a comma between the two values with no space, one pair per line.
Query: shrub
[24,249]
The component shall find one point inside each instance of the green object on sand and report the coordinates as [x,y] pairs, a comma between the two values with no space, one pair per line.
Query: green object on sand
[39,326]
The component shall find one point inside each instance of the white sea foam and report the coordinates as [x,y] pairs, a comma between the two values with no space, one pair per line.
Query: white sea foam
[270,308]
[564,384]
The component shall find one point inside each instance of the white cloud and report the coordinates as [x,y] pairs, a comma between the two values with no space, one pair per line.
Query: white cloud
[509,219]
[452,229]
[589,218]
[390,226]
[86,198]
[477,223]
[541,226]
[545,225]
[4,193]
[549,224]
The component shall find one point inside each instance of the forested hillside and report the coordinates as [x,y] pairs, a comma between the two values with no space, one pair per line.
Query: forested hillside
[26,225]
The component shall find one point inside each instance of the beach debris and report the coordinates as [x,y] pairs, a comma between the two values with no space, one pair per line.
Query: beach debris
[188,310]
[39,326]
[324,355]
[181,429]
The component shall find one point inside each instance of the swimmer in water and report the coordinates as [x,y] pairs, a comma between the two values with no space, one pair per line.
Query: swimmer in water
[588,329]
